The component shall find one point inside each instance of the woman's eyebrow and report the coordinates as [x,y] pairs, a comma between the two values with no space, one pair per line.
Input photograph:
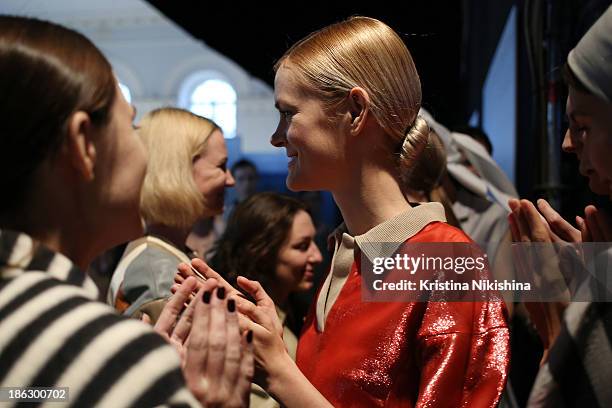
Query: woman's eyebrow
[576,113]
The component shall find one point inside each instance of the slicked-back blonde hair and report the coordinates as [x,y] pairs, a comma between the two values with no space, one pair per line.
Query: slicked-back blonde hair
[173,138]
[364,52]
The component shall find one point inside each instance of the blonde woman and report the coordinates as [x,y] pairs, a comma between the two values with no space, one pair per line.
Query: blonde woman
[185,181]
[348,97]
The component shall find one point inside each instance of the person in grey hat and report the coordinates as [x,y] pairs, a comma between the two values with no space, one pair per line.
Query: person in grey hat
[576,369]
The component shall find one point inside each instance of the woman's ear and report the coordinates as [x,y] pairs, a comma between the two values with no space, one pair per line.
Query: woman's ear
[79,145]
[359,108]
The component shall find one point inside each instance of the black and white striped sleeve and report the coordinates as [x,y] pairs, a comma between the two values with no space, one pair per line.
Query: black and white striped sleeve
[51,334]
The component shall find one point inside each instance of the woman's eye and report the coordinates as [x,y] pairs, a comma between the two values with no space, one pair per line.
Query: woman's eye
[580,130]
[575,128]
[286,114]
[303,246]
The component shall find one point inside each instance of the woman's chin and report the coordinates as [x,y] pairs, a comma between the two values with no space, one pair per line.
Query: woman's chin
[599,188]
[305,286]
[296,184]
[212,211]
[293,183]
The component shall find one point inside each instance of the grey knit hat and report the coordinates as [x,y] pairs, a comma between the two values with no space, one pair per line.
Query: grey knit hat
[591,59]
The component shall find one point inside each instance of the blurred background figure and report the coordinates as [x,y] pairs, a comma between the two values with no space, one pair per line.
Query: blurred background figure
[477,134]
[246,177]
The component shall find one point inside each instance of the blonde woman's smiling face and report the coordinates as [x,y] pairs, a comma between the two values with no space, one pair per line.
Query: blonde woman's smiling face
[314,144]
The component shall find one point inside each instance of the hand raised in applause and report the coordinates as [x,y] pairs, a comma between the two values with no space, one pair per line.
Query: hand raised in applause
[217,361]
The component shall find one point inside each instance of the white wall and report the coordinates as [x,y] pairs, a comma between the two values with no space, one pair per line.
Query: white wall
[153,57]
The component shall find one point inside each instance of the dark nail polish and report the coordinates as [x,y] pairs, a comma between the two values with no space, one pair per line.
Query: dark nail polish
[250,336]
[231,305]
[221,293]
[206,297]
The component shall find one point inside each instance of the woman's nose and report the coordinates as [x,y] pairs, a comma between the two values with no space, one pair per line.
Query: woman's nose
[571,143]
[315,254]
[278,138]
[229,179]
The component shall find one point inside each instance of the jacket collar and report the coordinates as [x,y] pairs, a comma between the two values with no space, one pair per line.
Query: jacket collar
[385,238]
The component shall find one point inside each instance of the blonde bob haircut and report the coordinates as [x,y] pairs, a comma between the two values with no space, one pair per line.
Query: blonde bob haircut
[364,52]
[173,138]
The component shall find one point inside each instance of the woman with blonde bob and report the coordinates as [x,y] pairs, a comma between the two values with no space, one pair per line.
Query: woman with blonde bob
[185,181]
[348,97]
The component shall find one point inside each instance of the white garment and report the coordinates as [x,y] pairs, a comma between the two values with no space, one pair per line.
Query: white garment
[493,184]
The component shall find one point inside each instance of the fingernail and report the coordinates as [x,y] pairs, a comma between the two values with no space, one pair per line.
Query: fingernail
[250,336]
[221,293]
[206,297]
[231,305]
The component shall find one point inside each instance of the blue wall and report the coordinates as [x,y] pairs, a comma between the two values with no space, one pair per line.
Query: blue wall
[499,98]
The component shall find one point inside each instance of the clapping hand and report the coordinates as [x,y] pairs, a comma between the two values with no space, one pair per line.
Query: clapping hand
[527,225]
[217,361]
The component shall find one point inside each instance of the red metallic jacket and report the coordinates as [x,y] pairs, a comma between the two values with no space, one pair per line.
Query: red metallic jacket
[418,354]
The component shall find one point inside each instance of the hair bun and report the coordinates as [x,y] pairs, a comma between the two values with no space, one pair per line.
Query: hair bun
[422,158]
[415,141]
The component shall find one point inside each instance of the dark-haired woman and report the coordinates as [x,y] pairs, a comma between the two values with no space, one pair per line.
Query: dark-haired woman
[270,238]
[71,171]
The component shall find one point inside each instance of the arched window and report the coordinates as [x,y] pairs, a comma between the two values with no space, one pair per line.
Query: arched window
[126,92]
[215,99]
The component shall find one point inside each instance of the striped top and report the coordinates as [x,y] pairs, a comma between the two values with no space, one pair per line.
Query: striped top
[53,333]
